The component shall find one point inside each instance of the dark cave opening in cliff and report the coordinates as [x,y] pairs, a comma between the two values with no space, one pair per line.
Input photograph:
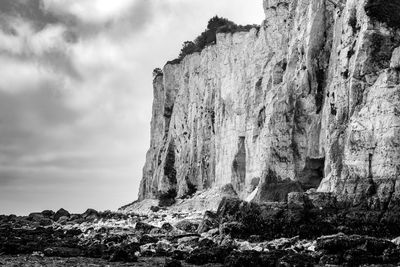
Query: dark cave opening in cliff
[313,173]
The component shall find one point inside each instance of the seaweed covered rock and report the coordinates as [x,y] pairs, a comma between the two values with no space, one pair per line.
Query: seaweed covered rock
[313,216]
[355,250]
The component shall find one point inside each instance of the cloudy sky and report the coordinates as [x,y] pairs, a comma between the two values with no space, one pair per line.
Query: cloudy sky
[76,93]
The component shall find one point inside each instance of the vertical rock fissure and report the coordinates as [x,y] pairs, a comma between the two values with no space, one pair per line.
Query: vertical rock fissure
[167,117]
[239,165]
[319,96]
[370,165]
[169,167]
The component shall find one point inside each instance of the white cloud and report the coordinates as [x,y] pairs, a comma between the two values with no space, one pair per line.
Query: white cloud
[81,110]
[19,75]
[50,38]
[90,11]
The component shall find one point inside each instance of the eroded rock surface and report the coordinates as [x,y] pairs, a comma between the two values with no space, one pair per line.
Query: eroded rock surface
[310,100]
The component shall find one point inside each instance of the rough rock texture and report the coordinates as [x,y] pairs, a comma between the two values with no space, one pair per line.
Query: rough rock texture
[311,100]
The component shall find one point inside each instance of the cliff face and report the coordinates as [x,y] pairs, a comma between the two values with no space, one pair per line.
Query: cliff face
[311,100]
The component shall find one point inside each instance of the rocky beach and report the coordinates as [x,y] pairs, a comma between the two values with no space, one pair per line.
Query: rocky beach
[311,229]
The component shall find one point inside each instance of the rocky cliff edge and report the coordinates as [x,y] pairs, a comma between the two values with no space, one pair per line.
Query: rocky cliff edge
[311,99]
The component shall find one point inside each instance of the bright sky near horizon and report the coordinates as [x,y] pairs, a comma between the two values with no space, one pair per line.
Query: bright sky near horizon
[76,94]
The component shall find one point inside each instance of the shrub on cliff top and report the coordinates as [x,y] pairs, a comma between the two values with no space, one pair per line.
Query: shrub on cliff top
[387,11]
[188,48]
[209,36]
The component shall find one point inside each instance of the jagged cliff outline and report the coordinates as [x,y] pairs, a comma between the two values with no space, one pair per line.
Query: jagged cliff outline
[310,99]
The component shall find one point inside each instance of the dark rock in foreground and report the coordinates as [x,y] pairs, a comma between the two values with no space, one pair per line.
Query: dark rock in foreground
[311,218]
[311,229]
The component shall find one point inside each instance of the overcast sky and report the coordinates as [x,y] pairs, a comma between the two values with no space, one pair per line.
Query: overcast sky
[76,93]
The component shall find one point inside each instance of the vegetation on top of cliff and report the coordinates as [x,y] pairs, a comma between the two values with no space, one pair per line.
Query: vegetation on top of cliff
[209,36]
[384,11]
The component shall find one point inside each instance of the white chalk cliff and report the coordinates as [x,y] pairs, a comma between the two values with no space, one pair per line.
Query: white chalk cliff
[310,100]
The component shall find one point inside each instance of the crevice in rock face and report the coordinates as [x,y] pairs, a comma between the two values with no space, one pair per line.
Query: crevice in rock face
[319,96]
[279,71]
[259,84]
[169,167]
[168,112]
[313,173]
[333,109]
[167,116]
[261,118]
[370,165]
[212,115]
[239,165]
[259,123]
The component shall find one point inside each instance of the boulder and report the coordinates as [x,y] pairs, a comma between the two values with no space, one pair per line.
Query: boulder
[155,208]
[188,241]
[144,228]
[164,246]
[40,218]
[204,255]
[157,231]
[63,220]
[90,214]
[147,239]
[210,221]
[179,254]
[167,227]
[48,213]
[45,222]
[321,200]
[355,250]
[187,226]
[297,200]
[61,213]
[341,242]
[36,216]
[235,229]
